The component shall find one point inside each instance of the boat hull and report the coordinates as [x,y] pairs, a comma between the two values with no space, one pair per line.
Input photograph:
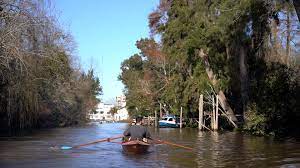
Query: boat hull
[168,125]
[135,147]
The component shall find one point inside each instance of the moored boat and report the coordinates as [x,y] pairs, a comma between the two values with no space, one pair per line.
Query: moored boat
[169,122]
[135,147]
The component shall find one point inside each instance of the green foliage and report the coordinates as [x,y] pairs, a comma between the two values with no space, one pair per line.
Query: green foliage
[113,111]
[131,76]
[233,36]
[39,87]
[275,95]
[255,123]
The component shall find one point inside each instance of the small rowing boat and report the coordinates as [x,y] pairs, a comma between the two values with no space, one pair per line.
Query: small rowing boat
[135,147]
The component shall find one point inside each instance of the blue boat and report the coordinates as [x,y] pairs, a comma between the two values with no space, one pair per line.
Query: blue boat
[169,122]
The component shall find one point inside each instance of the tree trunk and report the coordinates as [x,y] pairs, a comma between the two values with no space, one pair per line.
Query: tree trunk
[223,100]
[200,112]
[213,117]
[160,111]
[180,117]
[274,56]
[297,8]
[243,77]
[288,36]
[217,112]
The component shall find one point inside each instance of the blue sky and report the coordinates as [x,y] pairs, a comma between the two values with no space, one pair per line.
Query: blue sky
[105,32]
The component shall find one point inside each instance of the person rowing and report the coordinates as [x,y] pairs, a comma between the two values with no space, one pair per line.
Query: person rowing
[137,132]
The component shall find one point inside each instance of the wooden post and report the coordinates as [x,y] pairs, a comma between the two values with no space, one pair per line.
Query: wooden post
[212,118]
[200,112]
[155,118]
[217,112]
[148,120]
[180,117]
[160,111]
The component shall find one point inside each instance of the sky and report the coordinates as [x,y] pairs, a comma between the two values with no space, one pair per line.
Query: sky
[105,32]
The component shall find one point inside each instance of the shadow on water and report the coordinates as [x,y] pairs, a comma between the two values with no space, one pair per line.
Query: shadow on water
[226,149]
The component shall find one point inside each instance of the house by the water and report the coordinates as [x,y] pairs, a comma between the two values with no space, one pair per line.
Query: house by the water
[102,113]
[122,113]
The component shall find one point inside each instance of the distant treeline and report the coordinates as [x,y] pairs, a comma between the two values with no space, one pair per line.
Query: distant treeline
[41,84]
[247,51]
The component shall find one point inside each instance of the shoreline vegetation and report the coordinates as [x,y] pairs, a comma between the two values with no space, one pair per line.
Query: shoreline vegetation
[41,83]
[245,51]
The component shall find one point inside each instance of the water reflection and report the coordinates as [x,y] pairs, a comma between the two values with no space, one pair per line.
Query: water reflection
[211,149]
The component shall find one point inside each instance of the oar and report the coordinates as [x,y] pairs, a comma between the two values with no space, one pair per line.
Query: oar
[90,143]
[173,144]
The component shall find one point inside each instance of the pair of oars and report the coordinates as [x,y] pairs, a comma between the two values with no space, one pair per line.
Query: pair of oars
[157,141]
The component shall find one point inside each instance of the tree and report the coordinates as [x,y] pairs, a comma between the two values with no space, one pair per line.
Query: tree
[227,44]
[39,84]
[113,111]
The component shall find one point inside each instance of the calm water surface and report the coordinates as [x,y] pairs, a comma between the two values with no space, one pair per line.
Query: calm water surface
[210,149]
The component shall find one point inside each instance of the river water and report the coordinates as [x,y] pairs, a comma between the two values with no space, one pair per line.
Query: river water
[228,149]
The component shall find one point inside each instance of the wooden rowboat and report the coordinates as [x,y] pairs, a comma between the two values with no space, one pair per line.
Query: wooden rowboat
[135,147]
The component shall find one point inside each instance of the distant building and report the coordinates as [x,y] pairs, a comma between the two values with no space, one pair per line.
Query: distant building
[122,113]
[121,101]
[102,112]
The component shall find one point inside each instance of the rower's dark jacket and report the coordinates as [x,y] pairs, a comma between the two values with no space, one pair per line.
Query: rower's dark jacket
[137,132]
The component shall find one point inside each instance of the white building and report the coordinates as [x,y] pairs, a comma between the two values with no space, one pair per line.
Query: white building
[102,112]
[122,113]
[121,101]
